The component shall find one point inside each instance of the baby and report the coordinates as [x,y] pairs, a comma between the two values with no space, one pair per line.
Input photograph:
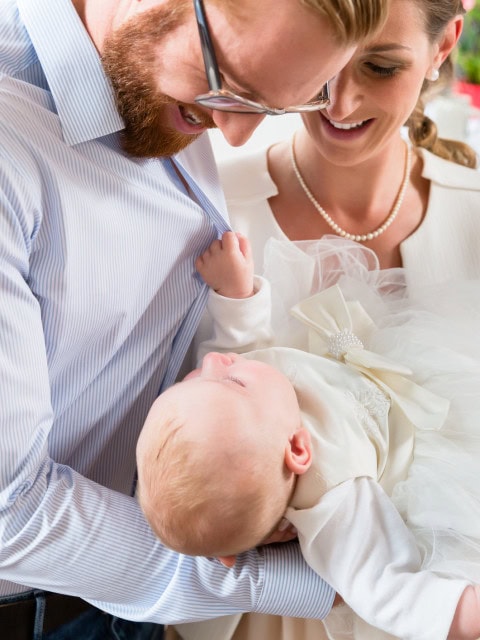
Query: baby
[219,456]
[320,437]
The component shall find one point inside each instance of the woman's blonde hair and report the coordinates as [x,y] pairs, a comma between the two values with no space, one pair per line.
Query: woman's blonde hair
[421,129]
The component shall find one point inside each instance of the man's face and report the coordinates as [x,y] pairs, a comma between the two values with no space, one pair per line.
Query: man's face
[155,124]
[277,52]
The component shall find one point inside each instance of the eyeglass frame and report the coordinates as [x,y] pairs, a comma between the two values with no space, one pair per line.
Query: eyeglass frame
[216,94]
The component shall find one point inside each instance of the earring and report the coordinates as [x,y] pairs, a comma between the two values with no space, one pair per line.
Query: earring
[434,74]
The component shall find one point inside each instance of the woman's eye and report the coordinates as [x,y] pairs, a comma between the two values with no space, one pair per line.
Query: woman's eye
[382,70]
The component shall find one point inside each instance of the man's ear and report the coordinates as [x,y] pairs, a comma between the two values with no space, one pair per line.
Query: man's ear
[228,561]
[298,452]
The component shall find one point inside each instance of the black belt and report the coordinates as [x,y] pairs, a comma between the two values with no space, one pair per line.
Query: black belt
[17,619]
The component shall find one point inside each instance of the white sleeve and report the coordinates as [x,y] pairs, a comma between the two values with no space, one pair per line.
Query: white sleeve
[356,540]
[238,325]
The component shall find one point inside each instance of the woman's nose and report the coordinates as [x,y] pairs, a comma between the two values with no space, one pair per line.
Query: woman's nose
[345,96]
[237,127]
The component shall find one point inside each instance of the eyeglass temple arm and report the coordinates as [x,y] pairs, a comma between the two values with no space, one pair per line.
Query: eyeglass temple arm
[325,92]
[210,60]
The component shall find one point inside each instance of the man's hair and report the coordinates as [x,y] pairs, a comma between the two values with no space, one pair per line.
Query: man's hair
[201,499]
[352,20]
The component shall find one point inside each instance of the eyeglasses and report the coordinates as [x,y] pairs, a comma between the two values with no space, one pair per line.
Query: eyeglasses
[225,100]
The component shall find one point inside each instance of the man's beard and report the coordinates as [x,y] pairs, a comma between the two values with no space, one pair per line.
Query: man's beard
[129,61]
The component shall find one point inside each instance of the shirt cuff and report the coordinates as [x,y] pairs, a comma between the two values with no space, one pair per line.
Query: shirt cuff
[290,587]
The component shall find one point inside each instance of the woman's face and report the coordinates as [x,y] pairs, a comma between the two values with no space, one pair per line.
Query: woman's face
[373,96]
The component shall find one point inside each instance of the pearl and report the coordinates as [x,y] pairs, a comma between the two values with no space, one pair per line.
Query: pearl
[341,342]
[337,228]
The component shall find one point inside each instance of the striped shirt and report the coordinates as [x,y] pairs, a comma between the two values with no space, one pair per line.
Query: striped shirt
[99,301]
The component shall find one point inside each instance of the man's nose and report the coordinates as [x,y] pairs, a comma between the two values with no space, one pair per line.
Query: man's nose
[237,127]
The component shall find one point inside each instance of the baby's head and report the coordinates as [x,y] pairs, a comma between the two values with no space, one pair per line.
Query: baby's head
[218,456]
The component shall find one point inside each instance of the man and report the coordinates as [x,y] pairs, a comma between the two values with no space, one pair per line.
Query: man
[106,198]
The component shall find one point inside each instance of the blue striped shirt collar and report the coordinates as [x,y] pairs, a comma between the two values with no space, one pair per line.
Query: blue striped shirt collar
[83,95]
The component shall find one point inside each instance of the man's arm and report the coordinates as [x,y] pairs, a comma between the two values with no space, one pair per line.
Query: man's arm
[63,532]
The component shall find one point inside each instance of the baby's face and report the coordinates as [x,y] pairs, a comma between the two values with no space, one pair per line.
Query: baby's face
[254,390]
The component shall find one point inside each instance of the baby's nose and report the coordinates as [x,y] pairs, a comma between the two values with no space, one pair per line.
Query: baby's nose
[215,362]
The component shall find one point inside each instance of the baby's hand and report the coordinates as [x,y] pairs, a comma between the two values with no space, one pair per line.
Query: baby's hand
[466,622]
[284,532]
[227,266]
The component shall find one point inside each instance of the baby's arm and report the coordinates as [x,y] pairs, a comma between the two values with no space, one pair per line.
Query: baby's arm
[357,541]
[238,313]
[227,266]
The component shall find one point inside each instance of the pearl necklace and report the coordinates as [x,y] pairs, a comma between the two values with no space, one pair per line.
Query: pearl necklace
[332,224]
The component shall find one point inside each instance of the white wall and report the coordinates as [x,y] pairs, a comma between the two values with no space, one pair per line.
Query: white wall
[272,129]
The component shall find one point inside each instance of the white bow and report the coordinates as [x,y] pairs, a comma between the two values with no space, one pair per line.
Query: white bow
[338,329]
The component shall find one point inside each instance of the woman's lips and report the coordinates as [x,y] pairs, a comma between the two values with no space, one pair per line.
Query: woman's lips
[345,130]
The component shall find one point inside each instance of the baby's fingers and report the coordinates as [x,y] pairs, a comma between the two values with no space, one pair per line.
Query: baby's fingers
[283,533]
[244,245]
[212,250]
[229,242]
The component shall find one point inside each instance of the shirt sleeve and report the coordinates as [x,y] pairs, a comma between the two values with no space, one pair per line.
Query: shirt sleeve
[355,538]
[99,547]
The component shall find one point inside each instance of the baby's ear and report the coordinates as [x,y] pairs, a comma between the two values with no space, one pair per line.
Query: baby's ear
[228,561]
[298,452]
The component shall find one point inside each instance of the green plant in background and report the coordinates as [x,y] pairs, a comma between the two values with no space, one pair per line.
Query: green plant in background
[468,53]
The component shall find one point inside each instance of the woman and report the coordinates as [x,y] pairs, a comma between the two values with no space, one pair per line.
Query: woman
[352,158]
[350,172]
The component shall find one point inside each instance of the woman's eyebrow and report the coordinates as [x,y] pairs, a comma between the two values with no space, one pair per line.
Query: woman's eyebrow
[380,48]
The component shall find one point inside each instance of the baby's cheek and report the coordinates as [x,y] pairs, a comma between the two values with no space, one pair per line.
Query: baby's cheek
[193,374]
